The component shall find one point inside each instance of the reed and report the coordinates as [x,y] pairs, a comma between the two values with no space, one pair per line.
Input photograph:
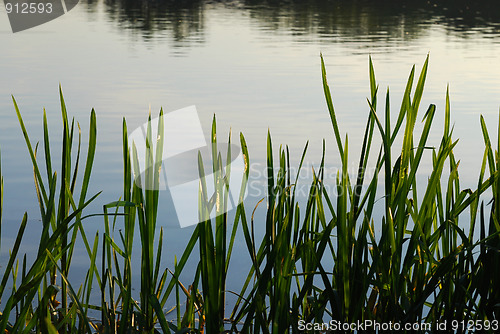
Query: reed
[405,252]
[282,292]
[61,221]
[215,245]
[120,312]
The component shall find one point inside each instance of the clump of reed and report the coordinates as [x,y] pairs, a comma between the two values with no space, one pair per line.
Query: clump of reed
[329,257]
[39,300]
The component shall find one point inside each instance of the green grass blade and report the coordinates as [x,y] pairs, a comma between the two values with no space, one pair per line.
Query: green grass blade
[31,151]
[419,89]
[331,110]
[159,313]
[13,254]
[90,157]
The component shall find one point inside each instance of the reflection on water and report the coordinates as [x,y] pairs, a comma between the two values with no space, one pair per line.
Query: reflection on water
[376,21]
[184,20]
[253,63]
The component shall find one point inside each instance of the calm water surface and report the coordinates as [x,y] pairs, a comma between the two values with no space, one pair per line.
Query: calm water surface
[255,64]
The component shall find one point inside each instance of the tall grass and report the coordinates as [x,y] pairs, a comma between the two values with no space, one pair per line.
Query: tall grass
[413,271]
[486,270]
[215,250]
[278,294]
[120,312]
[61,220]
[389,246]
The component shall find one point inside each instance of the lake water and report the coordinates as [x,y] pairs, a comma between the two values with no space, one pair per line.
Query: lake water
[254,64]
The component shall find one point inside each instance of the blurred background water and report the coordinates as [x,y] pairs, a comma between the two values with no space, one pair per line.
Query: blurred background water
[255,65]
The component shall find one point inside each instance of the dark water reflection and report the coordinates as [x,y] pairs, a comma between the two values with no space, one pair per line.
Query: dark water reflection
[184,20]
[377,21]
